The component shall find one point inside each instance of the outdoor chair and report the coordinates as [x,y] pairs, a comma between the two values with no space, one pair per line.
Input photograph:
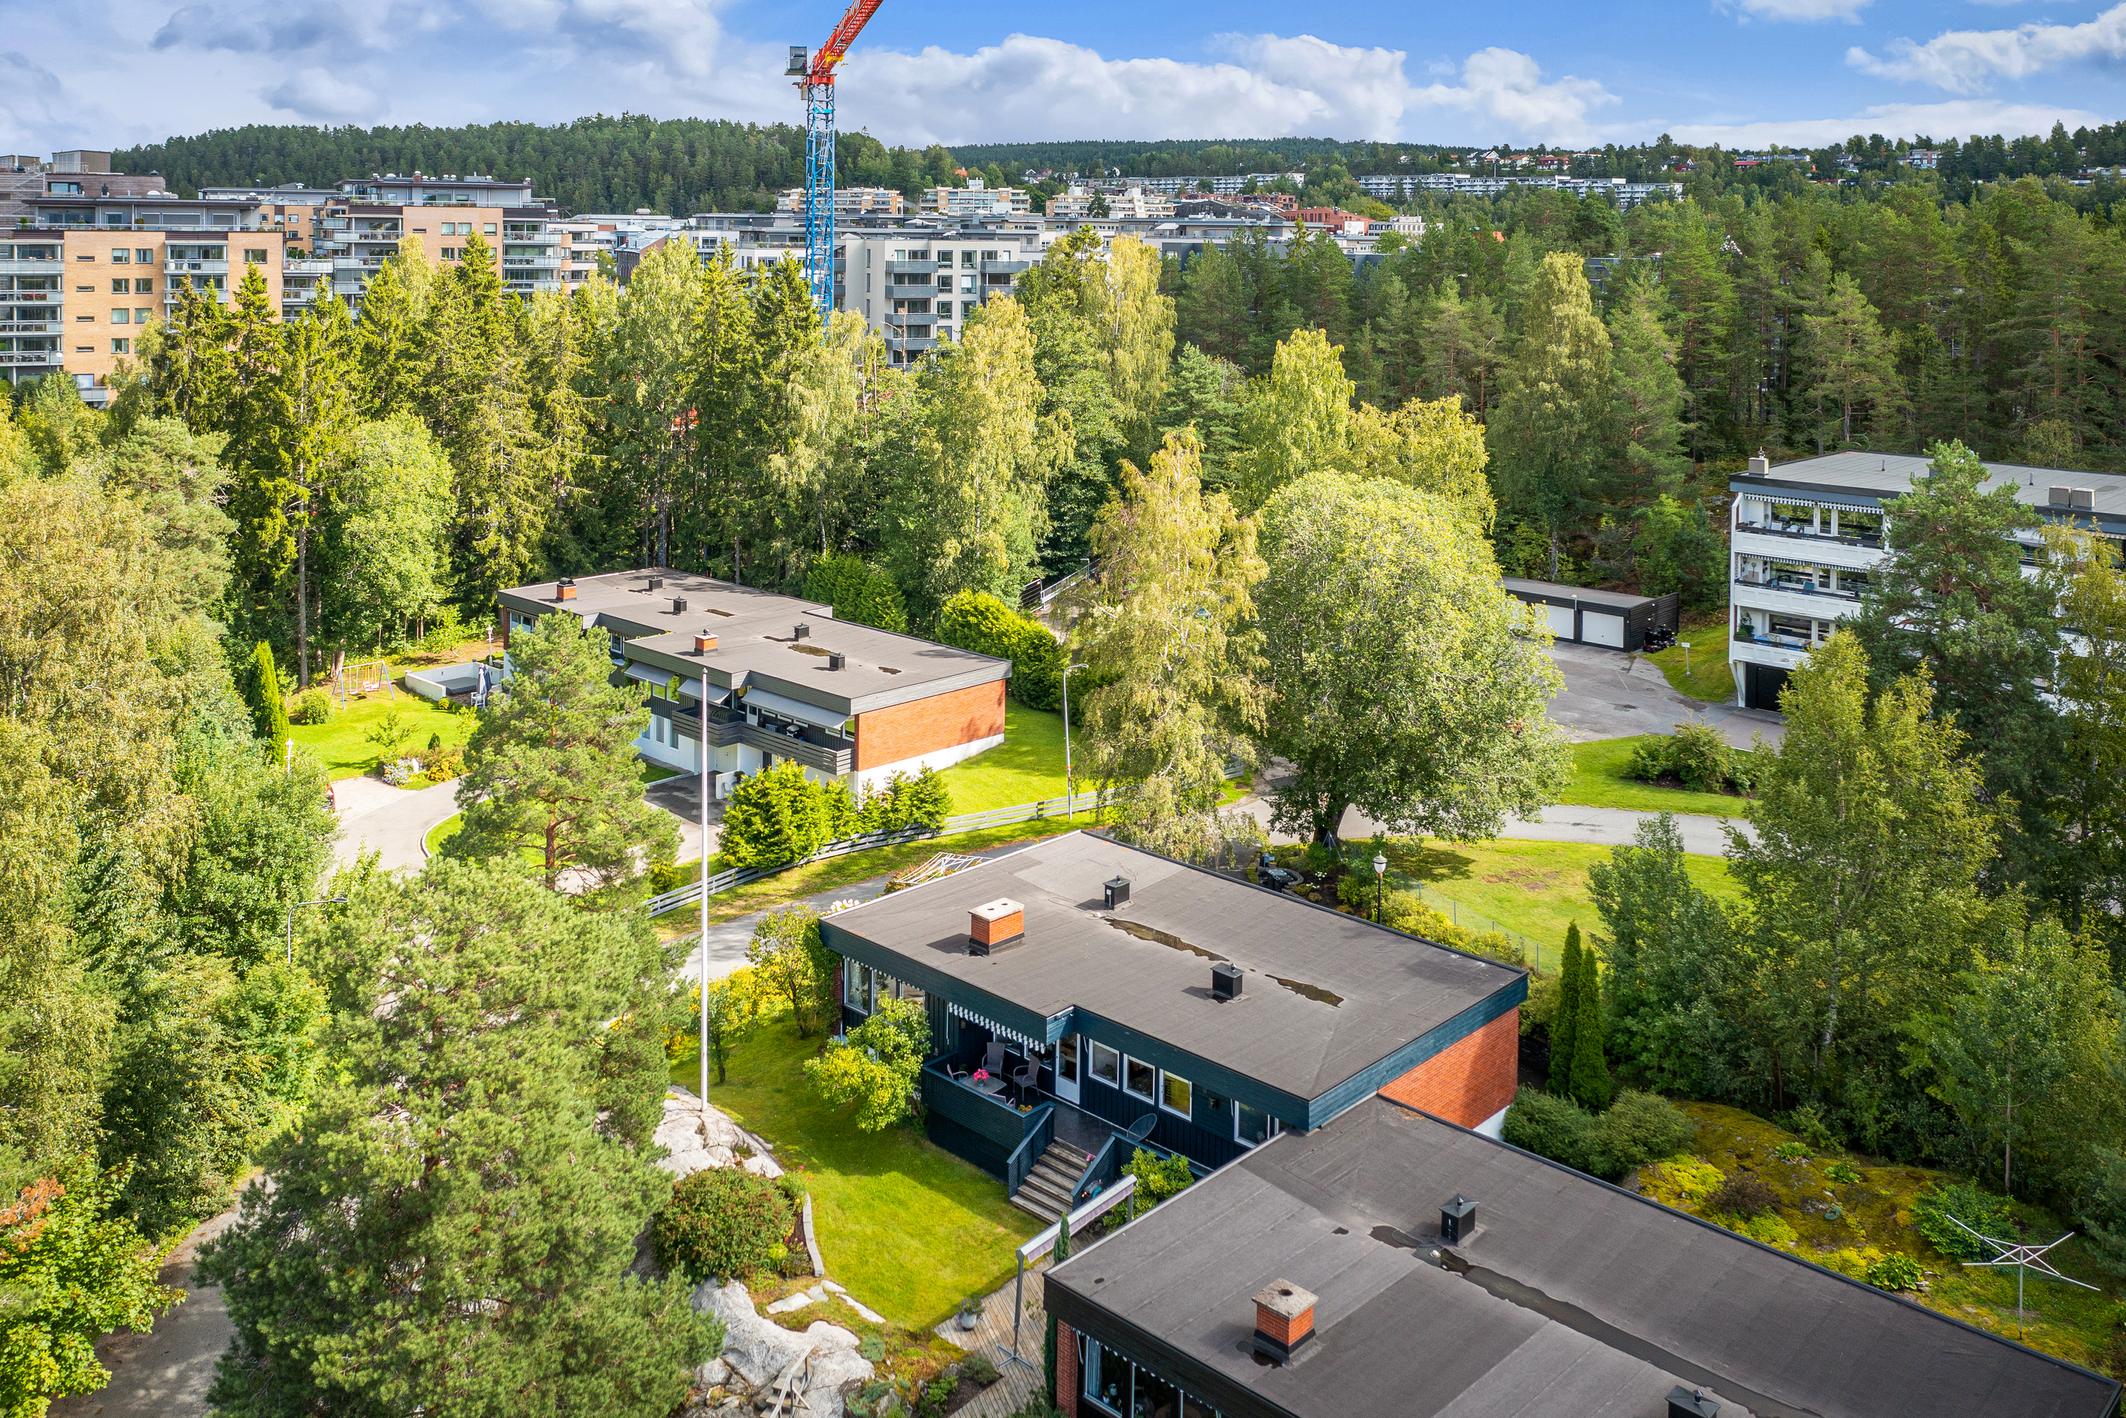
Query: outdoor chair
[993,1060]
[1026,1082]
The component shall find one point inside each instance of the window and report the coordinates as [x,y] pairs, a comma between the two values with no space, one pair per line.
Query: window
[140,317]
[121,317]
[1067,1058]
[254,255]
[121,347]
[1252,1125]
[486,228]
[1174,1093]
[121,256]
[143,286]
[858,983]
[450,253]
[1105,1064]
[85,256]
[141,256]
[1114,1385]
[1138,1078]
[121,287]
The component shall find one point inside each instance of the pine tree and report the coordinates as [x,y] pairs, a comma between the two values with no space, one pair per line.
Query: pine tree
[1588,1067]
[313,406]
[1845,372]
[1649,396]
[1550,437]
[1565,1018]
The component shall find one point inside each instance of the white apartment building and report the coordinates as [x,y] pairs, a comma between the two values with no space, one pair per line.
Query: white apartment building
[590,235]
[976,199]
[1128,204]
[1804,537]
[1396,187]
[917,287]
[849,202]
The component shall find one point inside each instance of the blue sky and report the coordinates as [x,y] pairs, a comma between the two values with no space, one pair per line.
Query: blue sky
[1742,72]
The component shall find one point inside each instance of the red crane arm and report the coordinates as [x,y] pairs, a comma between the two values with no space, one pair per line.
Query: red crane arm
[836,48]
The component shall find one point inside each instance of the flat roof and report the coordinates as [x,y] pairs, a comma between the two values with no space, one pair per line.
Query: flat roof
[1323,996]
[1553,592]
[1887,475]
[1572,1297]
[754,640]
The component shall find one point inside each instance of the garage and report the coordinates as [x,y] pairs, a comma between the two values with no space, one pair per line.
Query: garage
[1583,615]
[1761,685]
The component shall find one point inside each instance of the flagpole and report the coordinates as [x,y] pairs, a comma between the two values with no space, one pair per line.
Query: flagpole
[701,743]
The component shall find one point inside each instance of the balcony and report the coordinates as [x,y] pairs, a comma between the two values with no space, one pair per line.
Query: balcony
[911,268]
[1802,530]
[31,327]
[910,290]
[911,344]
[30,359]
[32,266]
[175,267]
[1007,268]
[814,748]
[724,726]
[1797,585]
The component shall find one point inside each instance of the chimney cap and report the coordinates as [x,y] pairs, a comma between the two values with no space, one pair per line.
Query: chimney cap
[996,910]
[1285,1299]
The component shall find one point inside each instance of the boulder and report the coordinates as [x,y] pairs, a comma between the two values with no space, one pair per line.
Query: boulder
[696,1136]
[806,1374]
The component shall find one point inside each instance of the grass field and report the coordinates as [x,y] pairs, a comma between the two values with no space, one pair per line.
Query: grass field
[1598,781]
[910,1229]
[1026,768]
[342,742]
[1708,677]
[1534,889]
[1872,1217]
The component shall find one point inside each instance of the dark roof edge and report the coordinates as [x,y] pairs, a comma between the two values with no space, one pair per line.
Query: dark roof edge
[1720,1230]
[1085,1315]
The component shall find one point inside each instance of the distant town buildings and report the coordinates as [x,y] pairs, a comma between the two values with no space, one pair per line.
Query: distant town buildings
[976,199]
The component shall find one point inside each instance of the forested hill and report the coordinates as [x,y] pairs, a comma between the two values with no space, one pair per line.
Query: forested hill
[595,164]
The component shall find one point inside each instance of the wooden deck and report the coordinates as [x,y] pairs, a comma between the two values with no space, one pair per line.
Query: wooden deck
[992,1336]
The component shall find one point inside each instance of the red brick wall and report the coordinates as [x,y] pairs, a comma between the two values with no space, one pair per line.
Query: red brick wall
[1066,1370]
[1470,1079]
[926,725]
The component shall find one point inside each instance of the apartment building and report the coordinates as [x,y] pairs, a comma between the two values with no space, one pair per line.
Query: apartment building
[849,202]
[754,679]
[74,172]
[1805,535]
[589,236]
[1397,187]
[1127,204]
[83,274]
[917,286]
[976,199]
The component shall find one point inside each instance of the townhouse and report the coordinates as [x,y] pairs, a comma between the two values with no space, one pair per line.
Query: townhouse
[752,679]
[1804,536]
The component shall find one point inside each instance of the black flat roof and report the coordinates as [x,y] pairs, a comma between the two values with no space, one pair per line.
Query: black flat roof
[1323,996]
[1572,1297]
[1556,593]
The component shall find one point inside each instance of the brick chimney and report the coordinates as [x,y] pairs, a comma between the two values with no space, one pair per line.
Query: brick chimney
[565,589]
[1284,1320]
[703,643]
[994,925]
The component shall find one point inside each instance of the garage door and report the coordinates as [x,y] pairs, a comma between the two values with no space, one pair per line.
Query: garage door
[1602,628]
[1560,621]
[1761,685]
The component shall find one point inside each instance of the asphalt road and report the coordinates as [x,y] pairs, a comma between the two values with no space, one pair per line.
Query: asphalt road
[165,1372]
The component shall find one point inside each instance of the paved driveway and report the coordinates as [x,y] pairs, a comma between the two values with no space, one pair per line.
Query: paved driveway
[374,816]
[1609,695]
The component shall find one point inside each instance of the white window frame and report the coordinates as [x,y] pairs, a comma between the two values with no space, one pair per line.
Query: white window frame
[1150,1097]
[1092,1063]
[1188,1089]
[1272,1128]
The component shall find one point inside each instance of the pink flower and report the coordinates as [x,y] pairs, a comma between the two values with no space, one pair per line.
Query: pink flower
[980,1075]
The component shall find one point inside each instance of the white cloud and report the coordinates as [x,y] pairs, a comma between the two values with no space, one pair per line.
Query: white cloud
[1805,11]
[1955,118]
[1965,61]
[318,95]
[1028,87]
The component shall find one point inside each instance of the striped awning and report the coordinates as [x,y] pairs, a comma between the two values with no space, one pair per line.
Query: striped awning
[1009,1036]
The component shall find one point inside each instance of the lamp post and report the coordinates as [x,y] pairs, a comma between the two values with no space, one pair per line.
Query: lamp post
[701,743]
[1070,806]
[318,901]
[1380,878]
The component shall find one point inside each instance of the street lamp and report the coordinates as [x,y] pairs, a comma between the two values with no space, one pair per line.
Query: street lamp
[1070,806]
[319,901]
[1380,878]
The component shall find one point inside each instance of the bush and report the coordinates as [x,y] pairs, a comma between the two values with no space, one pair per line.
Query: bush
[441,765]
[1808,1123]
[1158,1177]
[1894,1272]
[1638,1128]
[977,621]
[1742,1197]
[1967,1202]
[902,802]
[310,708]
[1407,911]
[878,1066]
[1696,757]
[722,1223]
[782,816]
[261,685]
[856,591]
[1844,1174]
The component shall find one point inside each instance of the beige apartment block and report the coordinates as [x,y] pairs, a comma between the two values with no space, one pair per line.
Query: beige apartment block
[118,281]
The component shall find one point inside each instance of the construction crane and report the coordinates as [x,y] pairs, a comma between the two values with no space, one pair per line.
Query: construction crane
[815,80]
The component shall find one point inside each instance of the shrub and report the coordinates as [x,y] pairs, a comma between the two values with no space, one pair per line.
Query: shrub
[1158,1177]
[1895,1272]
[977,621]
[1845,1174]
[1407,911]
[878,1066]
[1743,1197]
[1808,1123]
[1696,757]
[979,1370]
[1638,1128]
[443,764]
[262,694]
[1792,1151]
[780,816]
[1549,1126]
[1967,1202]
[856,590]
[310,708]
[722,1222]
[902,802]
[1769,1231]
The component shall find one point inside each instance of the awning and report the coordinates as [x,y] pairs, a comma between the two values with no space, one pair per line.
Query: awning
[648,674]
[795,709]
[1009,1036]
[690,687]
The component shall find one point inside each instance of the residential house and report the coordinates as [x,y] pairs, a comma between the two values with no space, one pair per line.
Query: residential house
[1394,1264]
[767,678]
[1115,998]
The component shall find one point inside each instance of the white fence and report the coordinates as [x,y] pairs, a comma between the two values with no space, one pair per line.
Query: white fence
[719,882]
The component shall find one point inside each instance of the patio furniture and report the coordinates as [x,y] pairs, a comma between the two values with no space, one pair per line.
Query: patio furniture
[992,1086]
[993,1058]
[1027,1080]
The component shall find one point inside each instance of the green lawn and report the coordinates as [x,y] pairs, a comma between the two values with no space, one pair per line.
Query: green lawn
[910,1229]
[342,743]
[1533,889]
[1708,677]
[1598,781]
[1026,768]
[442,832]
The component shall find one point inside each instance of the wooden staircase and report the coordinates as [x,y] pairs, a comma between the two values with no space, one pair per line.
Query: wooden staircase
[1046,1190]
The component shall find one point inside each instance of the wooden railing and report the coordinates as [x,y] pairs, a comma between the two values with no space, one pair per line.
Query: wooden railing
[1030,1149]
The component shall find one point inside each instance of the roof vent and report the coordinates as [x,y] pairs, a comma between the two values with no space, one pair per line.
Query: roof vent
[1691,1403]
[1284,1320]
[2082,499]
[995,924]
[836,659]
[656,583]
[679,605]
[704,642]
[565,589]
[1457,1220]
[1116,891]
[1225,980]
[1760,466]
[801,631]
[2060,496]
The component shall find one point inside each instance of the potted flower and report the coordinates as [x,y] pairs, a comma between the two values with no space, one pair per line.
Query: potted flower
[970,1313]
